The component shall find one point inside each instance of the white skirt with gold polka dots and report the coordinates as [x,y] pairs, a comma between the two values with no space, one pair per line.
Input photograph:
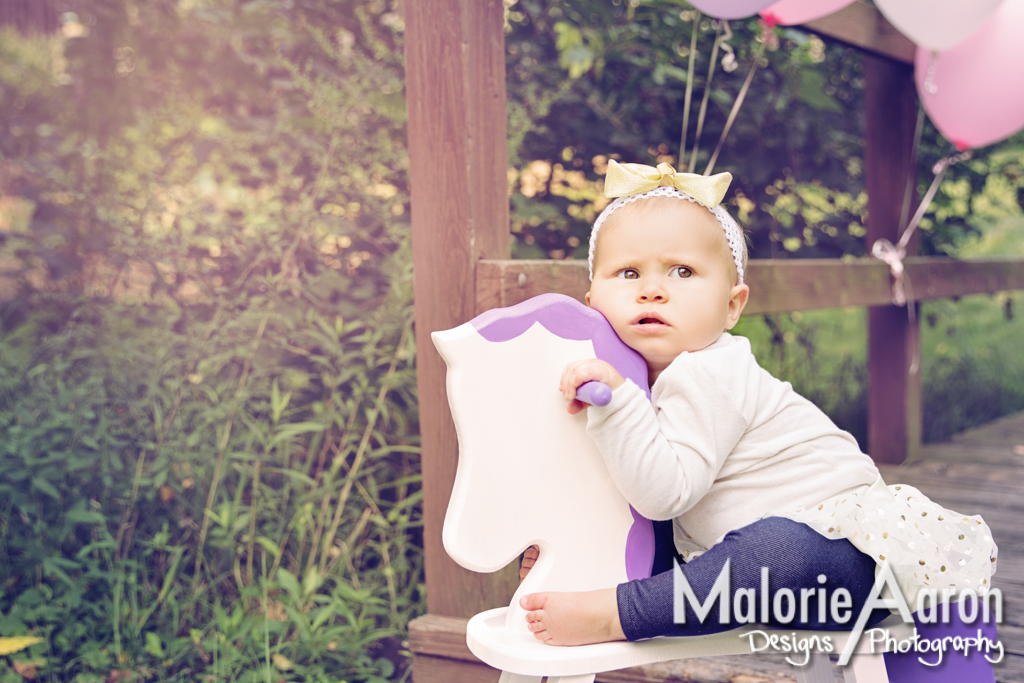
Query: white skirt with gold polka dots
[926,545]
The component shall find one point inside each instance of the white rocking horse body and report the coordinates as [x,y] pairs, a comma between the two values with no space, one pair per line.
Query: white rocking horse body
[528,473]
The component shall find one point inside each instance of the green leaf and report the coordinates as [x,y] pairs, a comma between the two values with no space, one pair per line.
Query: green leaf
[153,645]
[278,402]
[294,475]
[268,545]
[321,617]
[386,667]
[50,568]
[310,582]
[289,583]
[46,487]
[79,515]
[293,429]
[811,90]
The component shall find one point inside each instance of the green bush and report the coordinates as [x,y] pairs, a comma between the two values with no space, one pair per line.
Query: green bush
[209,461]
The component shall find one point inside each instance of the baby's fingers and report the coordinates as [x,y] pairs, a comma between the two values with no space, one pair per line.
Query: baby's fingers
[576,406]
[576,373]
[567,384]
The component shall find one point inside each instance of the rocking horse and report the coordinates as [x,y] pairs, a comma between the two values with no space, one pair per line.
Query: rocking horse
[517,443]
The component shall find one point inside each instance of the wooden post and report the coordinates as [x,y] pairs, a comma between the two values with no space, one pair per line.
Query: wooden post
[894,392]
[455,90]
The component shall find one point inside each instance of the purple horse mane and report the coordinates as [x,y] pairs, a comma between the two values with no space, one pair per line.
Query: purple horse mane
[567,318]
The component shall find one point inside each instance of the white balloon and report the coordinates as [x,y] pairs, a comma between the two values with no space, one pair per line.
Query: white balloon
[938,24]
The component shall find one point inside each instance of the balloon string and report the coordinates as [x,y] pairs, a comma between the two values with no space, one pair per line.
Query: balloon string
[689,88]
[707,93]
[939,169]
[929,85]
[738,103]
[883,249]
[908,194]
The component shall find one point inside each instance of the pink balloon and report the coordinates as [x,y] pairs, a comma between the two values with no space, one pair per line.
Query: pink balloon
[790,12]
[730,9]
[975,92]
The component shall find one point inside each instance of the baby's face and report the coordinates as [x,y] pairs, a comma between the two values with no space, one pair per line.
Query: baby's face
[664,278]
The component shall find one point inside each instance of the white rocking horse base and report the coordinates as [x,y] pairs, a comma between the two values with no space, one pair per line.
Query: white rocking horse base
[524,659]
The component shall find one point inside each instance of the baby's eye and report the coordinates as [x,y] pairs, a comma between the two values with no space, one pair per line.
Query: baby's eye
[680,271]
[629,273]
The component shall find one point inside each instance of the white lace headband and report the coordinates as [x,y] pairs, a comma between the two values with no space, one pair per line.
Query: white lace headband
[733,234]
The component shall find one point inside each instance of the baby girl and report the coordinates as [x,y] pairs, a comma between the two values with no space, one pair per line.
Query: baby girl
[751,474]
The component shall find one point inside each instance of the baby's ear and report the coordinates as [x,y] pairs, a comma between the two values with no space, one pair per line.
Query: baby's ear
[587,298]
[737,302]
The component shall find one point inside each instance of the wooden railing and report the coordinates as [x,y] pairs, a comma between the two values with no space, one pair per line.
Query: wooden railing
[776,286]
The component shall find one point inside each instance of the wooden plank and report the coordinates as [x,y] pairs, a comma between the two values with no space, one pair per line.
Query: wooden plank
[427,669]
[440,636]
[1007,430]
[1012,626]
[1010,670]
[802,284]
[508,282]
[776,286]
[894,379]
[455,86]
[932,278]
[863,26]
[989,454]
[761,668]
[966,472]
[1012,637]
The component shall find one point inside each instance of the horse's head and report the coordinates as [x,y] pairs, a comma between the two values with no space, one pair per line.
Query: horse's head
[528,473]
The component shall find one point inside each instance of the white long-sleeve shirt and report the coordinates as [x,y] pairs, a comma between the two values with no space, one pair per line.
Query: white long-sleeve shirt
[722,443]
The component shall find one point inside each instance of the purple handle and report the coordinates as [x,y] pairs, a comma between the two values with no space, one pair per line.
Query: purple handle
[595,393]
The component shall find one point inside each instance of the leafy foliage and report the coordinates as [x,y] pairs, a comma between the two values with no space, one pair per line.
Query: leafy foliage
[210,455]
[592,81]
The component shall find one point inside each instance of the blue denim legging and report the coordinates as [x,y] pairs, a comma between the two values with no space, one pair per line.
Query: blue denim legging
[795,556]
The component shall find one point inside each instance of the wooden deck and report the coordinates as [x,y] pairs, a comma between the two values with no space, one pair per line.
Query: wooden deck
[980,471]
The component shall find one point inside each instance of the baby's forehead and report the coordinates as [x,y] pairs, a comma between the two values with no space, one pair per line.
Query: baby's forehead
[692,219]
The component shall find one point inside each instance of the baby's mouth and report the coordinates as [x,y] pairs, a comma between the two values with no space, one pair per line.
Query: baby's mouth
[650,321]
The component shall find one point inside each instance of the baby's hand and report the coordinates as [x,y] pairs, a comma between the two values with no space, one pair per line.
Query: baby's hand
[529,559]
[580,371]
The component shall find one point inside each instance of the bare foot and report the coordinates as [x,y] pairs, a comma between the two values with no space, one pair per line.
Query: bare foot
[529,559]
[574,618]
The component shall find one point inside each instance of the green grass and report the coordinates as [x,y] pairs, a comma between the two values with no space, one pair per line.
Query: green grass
[971,361]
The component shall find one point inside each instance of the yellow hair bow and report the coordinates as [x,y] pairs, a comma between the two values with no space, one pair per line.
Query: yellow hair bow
[626,179]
